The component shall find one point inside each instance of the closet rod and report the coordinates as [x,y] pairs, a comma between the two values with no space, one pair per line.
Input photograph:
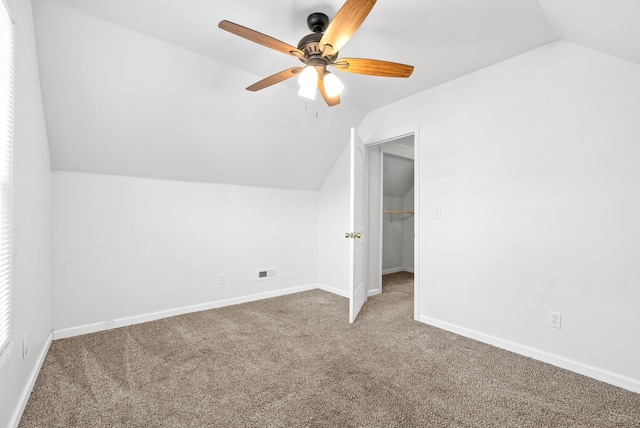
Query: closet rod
[397,212]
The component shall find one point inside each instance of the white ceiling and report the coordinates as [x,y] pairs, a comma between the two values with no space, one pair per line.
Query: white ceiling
[610,26]
[153,88]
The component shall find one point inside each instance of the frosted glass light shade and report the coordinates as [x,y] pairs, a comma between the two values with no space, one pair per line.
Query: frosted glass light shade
[332,85]
[308,92]
[308,77]
[307,81]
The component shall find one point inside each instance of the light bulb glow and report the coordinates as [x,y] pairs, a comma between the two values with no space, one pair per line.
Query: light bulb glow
[308,92]
[307,81]
[308,77]
[332,85]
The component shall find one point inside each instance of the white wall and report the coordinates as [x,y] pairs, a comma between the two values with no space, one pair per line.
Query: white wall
[408,232]
[333,222]
[131,249]
[534,165]
[397,236]
[31,287]
[391,234]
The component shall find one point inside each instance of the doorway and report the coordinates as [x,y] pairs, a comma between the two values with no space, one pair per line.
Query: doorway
[392,202]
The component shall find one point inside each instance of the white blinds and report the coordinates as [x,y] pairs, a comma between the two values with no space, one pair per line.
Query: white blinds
[6,161]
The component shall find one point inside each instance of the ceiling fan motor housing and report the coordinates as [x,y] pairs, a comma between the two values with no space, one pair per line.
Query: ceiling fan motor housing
[309,44]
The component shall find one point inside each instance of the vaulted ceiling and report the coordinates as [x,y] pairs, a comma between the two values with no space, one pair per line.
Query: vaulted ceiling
[153,88]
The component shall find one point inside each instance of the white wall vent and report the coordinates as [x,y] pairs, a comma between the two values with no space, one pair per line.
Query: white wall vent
[268,273]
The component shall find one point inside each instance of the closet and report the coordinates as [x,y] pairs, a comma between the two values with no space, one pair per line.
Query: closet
[390,210]
[397,213]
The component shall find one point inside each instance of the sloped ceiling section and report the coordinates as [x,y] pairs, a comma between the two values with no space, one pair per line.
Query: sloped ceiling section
[153,88]
[119,102]
[398,175]
[609,26]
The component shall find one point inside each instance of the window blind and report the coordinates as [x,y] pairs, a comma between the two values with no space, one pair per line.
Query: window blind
[6,162]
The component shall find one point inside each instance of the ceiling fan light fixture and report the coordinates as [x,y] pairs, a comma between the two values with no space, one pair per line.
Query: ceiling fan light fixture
[333,85]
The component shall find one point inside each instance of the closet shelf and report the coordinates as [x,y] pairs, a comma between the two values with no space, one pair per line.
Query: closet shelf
[394,214]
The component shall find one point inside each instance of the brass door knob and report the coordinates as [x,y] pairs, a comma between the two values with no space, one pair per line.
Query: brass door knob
[352,235]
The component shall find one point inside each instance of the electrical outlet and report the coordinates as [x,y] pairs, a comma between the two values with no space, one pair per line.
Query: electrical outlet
[222,279]
[25,346]
[555,319]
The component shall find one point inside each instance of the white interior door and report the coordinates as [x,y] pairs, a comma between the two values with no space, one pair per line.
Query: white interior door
[358,293]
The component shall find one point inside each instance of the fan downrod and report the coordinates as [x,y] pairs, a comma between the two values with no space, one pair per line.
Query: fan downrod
[318,22]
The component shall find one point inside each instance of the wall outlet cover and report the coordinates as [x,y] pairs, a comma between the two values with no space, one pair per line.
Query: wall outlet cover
[554,319]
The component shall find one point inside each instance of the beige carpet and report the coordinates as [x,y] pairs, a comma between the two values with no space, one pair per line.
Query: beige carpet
[295,361]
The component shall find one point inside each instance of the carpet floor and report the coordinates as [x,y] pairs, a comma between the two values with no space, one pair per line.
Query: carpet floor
[294,361]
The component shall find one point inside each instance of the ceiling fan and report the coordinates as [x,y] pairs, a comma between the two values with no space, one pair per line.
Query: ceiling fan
[320,49]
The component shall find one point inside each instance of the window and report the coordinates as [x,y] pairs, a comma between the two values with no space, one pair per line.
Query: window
[6,161]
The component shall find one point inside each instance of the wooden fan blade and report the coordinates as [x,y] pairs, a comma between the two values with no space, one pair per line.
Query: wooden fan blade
[331,101]
[262,39]
[373,67]
[348,19]
[276,78]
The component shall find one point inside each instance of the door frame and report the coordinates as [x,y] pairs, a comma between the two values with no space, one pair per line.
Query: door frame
[415,131]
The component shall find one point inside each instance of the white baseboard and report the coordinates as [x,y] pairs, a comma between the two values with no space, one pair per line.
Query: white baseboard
[138,319]
[26,392]
[337,291]
[396,270]
[374,292]
[556,360]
